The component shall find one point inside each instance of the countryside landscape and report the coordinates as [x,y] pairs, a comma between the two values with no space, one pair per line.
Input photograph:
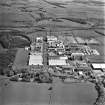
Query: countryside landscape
[52,52]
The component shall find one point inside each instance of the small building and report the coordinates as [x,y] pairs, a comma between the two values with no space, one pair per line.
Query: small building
[81,64]
[39,39]
[52,44]
[64,57]
[52,53]
[80,73]
[82,69]
[68,68]
[95,52]
[77,56]
[60,51]
[27,48]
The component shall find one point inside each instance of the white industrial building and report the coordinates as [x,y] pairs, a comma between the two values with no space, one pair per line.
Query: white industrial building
[51,38]
[36,59]
[57,62]
[63,57]
[77,54]
[98,65]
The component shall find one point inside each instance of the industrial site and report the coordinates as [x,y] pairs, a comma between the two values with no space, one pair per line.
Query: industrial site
[52,52]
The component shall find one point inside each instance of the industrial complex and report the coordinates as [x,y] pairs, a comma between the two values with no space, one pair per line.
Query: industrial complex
[52,55]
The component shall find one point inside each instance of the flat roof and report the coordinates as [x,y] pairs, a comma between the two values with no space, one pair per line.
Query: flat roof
[35,60]
[57,62]
[99,65]
[77,53]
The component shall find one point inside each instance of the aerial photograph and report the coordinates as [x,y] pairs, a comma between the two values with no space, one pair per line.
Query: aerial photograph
[52,52]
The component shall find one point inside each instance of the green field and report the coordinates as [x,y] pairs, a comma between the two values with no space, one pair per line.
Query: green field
[6,58]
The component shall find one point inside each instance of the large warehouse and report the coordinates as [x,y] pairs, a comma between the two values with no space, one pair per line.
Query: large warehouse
[57,62]
[98,65]
[35,59]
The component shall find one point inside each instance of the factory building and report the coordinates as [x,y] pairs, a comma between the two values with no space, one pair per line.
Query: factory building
[61,60]
[51,38]
[98,66]
[35,59]
[57,62]
[77,56]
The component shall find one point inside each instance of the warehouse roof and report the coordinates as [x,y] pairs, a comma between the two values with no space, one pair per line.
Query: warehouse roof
[57,62]
[98,65]
[35,60]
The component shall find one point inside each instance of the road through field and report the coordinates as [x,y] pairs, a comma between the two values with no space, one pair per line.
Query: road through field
[19,93]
